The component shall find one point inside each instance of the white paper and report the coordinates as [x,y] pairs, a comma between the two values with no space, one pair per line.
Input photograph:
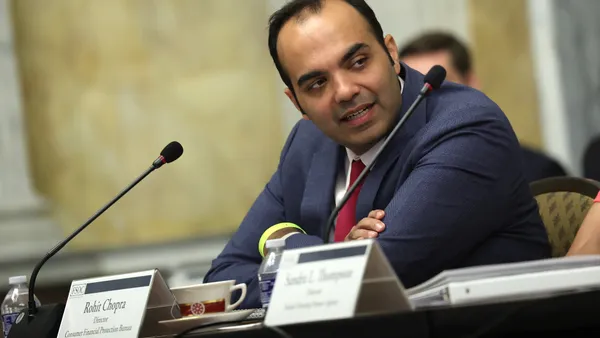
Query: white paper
[323,289]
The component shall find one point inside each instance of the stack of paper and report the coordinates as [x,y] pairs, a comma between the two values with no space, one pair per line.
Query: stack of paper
[503,282]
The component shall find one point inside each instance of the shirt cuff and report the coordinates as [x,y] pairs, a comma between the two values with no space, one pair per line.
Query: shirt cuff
[288,235]
[265,236]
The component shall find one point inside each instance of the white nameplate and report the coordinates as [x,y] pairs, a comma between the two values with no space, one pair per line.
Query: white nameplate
[112,306]
[334,281]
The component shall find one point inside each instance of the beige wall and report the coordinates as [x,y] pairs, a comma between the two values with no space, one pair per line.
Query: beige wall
[108,83]
[503,60]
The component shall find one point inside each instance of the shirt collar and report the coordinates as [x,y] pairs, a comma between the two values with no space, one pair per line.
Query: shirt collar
[369,156]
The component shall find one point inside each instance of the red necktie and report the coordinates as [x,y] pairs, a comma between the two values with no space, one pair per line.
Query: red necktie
[347,217]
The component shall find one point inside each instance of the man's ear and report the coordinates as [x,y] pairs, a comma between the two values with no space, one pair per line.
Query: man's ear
[292,98]
[392,49]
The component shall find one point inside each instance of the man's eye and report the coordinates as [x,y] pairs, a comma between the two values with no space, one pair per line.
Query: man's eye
[359,63]
[317,84]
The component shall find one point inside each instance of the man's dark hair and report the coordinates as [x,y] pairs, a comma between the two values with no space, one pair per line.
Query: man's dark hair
[437,41]
[295,8]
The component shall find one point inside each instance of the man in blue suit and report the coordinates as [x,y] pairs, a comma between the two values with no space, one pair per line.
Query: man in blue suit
[447,192]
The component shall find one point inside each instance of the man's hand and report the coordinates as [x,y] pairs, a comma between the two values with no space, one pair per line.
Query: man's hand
[368,227]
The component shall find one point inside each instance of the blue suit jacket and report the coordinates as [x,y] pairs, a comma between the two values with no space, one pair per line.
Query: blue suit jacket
[451,183]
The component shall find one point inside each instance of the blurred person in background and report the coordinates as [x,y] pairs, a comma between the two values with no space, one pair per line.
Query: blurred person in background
[591,160]
[441,48]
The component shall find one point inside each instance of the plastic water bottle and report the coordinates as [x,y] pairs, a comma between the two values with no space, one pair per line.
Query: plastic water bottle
[267,273]
[15,301]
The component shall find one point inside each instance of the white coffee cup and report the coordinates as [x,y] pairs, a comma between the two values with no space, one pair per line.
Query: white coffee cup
[205,298]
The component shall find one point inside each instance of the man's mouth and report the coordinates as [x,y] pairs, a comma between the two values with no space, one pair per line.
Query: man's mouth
[357,114]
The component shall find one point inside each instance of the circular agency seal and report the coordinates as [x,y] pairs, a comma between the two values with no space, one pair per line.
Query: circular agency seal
[198,308]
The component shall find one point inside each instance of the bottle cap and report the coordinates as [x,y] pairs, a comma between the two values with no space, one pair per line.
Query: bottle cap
[17,280]
[276,243]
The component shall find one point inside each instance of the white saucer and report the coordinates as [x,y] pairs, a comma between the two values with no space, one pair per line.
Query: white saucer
[189,322]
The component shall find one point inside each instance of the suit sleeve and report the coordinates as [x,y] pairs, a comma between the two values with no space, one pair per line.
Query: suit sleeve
[240,258]
[449,202]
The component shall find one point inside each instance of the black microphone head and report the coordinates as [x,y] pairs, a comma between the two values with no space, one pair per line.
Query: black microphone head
[435,76]
[172,151]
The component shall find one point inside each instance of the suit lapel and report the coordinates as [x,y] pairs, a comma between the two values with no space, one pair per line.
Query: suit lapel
[387,159]
[318,197]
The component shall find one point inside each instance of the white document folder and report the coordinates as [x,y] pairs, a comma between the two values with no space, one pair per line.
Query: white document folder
[505,282]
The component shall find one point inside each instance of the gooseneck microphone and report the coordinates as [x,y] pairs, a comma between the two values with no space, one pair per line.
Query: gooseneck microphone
[45,321]
[433,80]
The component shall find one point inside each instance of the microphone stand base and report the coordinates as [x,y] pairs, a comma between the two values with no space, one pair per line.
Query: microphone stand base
[44,324]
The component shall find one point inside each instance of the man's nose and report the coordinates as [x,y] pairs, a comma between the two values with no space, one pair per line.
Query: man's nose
[345,89]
